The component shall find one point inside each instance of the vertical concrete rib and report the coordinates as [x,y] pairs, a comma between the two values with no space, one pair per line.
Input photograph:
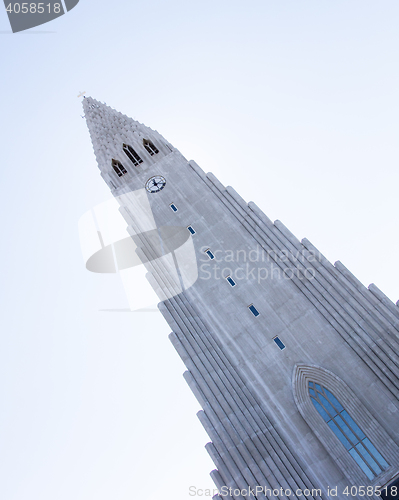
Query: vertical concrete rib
[266,428]
[331,309]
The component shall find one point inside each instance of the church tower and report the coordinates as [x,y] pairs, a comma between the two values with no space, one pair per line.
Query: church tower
[294,362]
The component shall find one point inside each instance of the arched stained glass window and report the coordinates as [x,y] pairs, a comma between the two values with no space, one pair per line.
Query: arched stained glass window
[149,146]
[119,168]
[132,155]
[347,431]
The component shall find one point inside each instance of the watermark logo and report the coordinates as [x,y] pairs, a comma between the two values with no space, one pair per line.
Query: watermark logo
[255,265]
[157,263]
[26,15]
[154,263]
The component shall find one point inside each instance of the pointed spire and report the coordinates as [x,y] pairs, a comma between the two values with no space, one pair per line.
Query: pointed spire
[105,125]
[110,131]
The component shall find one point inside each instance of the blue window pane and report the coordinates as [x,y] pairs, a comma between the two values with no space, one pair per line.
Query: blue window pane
[368,458]
[353,425]
[210,254]
[231,281]
[345,429]
[253,310]
[321,410]
[333,400]
[191,229]
[173,207]
[327,405]
[339,434]
[361,463]
[279,343]
[381,460]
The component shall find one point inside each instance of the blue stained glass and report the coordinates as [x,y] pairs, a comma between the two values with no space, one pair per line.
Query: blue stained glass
[173,207]
[327,405]
[368,458]
[380,459]
[345,429]
[321,410]
[333,400]
[361,463]
[353,425]
[210,254]
[333,426]
[279,343]
[191,229]
[253,310]
[231,281]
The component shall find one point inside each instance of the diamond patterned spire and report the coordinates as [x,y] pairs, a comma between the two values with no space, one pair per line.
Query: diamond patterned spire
[110,130]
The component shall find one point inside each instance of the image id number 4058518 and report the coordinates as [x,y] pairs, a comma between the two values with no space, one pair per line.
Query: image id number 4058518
[33,8]
[369,491]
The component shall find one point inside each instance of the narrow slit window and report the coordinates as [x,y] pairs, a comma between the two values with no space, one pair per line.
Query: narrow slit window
[279,343]
[253,310]
[209,254]
[132,155]
[191,229]
[150,147]
[347,431]
[118,168]
[173,207]
[231,281]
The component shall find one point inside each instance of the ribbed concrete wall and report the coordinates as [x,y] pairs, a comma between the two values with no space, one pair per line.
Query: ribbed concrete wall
[263,431]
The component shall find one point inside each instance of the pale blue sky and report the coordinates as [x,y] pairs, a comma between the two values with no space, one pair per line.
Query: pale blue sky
[294,103]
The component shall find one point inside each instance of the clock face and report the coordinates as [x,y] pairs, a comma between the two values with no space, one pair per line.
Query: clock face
[155,184]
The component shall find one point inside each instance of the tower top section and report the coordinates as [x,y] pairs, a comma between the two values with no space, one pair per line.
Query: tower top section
[122,146]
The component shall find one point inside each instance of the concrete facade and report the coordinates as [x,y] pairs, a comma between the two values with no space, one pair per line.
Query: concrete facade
[264,429]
